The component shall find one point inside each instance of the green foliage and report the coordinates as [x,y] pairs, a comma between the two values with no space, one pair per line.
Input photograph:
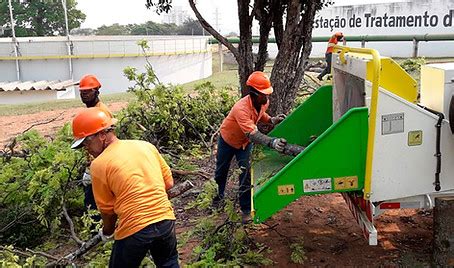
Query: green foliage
[40,18]
[167,116]
[413,65]
[100,257]
[34,186]
[8,258]
[88,224]
[203,200]
[298,254]
[222,244]
[189,27]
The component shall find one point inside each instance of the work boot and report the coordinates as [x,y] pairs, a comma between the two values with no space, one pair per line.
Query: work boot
[246,218]
[217,203]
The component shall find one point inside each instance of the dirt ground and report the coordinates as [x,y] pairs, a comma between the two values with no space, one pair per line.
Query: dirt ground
[330,234]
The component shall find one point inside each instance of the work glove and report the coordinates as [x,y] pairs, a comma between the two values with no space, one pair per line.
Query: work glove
[278,144]
[104,237]
[277,119]
[86,178]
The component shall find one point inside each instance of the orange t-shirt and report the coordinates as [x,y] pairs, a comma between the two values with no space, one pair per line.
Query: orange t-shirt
[242,119]
[130,179]
[103,107]
[331,43]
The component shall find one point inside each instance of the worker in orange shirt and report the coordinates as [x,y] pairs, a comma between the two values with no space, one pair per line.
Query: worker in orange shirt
[130,180]
[89,87]
[329,52]
[237,132]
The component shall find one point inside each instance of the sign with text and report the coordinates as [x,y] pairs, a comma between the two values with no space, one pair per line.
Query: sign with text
[416,17]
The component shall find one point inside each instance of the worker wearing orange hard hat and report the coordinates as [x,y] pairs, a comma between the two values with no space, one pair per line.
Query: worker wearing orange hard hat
[338,36]
[237,133]
[89,87]
[130,181]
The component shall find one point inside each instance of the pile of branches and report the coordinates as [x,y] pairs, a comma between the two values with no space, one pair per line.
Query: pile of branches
[169,117]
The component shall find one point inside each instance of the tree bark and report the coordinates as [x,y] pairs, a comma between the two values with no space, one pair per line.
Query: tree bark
[295,48]
[264,16]
[443,245]
[245,60]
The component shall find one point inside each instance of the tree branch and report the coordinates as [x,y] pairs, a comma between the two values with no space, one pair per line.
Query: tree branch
[190,172]
[213,32]
[71,226]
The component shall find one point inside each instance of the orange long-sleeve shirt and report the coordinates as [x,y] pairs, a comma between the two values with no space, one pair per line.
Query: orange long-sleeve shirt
[241,120]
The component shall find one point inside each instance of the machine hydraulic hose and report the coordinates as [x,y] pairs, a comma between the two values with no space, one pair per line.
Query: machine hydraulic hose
[437,145]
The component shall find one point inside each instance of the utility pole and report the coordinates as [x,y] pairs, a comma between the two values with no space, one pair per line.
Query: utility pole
[15,43]
[221,55]
[68,40]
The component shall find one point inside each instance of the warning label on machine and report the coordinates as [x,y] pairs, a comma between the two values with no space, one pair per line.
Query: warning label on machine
[317,185]
[346,183]
[392,123]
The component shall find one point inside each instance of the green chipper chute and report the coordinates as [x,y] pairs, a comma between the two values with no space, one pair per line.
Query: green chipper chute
[333,161]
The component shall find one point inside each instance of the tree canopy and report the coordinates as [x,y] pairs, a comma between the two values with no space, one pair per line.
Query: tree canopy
[189,27]
[40,18]
[292,21]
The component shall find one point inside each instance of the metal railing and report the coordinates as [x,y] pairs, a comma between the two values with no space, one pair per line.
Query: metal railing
[366,38]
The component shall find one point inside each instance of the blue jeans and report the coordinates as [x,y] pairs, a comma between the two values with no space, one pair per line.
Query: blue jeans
[159,238]
[223,159]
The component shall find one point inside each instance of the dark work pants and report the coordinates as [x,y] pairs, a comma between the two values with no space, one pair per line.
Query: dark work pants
[159,238]
[327,70]
[223,159]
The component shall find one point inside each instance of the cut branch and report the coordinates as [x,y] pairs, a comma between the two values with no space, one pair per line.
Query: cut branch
[71,226]
[189,172]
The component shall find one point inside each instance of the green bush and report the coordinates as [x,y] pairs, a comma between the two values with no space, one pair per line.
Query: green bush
[170,118]
[34,186]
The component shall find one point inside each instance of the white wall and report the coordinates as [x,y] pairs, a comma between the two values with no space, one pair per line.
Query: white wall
[20,97]
[176,59]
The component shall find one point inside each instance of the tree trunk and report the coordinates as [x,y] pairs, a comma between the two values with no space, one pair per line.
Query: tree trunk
[294,50]
[245,60]
[263,15]
[443,245]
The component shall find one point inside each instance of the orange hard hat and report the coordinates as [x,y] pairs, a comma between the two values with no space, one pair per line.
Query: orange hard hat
[338,34]
[260,81]
[88,82]
[88,122]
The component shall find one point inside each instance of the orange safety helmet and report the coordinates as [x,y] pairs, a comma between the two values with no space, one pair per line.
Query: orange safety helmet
[260,81]
[338,34]
[88,122]
[88,82]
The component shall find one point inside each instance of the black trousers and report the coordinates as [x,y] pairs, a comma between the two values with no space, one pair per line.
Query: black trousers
[159,238]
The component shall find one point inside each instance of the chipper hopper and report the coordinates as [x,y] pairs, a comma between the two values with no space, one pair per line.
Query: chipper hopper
[368,137]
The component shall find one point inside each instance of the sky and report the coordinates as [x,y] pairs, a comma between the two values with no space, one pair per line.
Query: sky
[107,12]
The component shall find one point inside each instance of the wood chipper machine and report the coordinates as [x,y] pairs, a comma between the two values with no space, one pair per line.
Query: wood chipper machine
[368,138]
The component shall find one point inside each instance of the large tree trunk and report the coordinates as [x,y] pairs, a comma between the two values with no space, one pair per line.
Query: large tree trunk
[263,15]
[443,250]
[246,59]
[294,50]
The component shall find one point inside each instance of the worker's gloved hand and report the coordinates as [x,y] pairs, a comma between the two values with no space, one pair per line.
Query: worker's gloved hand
[278,144]
[104,237]
[86,178]
[277,119]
